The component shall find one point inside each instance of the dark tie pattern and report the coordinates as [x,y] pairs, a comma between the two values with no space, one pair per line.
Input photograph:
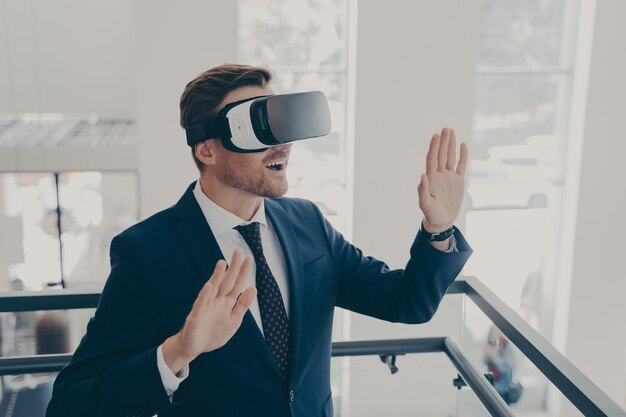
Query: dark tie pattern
[273,312]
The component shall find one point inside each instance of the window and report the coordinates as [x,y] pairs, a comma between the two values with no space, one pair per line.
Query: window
[306,44]
[523,88]
[89,208]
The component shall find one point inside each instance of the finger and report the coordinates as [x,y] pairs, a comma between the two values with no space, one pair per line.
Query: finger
[443,149]
[423,190]
[231,273]
[218,273]
[202,298]
[205,292]
[240,281]
[452,151]
[212,292]
[243,304]
[431,156]
[462,165]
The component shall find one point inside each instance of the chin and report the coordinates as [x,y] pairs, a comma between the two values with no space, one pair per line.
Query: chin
[276,191]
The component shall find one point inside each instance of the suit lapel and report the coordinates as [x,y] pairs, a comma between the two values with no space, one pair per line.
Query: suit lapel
[286,235]
[197,235]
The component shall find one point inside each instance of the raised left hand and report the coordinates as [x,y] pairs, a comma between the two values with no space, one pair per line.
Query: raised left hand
[442,187]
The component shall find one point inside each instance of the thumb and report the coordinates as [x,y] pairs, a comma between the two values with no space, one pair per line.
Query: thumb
[422,189]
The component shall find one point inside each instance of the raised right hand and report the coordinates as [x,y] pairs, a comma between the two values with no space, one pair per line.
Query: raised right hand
[216,314]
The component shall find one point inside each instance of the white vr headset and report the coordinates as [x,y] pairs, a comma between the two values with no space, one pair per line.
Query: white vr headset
[255,124]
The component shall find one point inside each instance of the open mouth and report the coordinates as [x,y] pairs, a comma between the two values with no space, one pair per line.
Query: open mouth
[276,165]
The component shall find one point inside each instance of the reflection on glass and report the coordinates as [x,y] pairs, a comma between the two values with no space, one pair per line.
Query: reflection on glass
[42,332]
[29,333]
[521,384]
[498,357]
[29,201]
[26,395]
[517,380]
[91,208]
[97,206]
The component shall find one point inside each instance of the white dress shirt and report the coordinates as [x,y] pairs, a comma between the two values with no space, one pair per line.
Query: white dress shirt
[222,223]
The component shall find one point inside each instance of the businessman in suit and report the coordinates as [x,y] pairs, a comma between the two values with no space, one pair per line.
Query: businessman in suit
[222,304]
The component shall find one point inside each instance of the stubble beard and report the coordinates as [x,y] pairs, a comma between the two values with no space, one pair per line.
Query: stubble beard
[251,181]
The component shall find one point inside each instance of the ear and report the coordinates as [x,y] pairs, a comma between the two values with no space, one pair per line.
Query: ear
[206,151]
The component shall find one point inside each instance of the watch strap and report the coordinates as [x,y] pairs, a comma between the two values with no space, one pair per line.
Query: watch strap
[437,237]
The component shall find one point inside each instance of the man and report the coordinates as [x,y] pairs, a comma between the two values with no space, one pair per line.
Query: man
[177,333]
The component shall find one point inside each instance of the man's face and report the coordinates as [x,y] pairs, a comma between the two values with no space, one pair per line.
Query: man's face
[260,173]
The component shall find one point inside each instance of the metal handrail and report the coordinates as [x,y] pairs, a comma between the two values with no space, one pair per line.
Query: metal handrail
[586,396]
[478,383]
[34,364]
[577,388]
[64,299]
[47,300]
[490,398]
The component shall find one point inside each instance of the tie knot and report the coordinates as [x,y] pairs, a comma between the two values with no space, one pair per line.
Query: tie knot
[252,235]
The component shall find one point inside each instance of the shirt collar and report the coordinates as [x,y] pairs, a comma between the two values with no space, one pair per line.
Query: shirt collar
[221,220]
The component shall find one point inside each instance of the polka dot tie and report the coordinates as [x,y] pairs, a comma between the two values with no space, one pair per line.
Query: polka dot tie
[273,312]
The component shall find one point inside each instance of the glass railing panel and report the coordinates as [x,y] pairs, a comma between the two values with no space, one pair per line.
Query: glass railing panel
[30,333]
[25,395]
[96,206]
[423,385]
[88,207]
[469,405]
[516,378]
[26,333]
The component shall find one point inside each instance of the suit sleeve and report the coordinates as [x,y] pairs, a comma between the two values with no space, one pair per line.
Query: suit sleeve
[114,369]
[410,295]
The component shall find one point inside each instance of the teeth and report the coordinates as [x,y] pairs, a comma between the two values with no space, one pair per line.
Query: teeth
[275,163]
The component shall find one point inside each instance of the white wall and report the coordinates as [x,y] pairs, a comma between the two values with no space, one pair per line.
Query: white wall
[596,339]
[415,75]
[66,56]
[174,42]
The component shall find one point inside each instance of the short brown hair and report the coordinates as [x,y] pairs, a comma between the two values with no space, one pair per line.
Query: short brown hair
[204,93]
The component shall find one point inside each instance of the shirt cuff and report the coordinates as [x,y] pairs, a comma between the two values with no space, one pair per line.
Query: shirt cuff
[452,247]
[170,380]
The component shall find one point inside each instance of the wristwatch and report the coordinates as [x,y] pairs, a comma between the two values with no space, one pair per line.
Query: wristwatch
[437,237]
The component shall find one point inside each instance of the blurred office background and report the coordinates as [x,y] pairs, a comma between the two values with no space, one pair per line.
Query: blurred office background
[90,143]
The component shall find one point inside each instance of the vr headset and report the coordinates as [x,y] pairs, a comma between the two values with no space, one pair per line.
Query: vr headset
[255,124]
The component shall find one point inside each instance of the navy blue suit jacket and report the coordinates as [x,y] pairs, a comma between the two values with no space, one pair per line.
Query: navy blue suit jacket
[157,269]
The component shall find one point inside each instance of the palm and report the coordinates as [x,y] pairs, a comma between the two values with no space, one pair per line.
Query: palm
[442,188]
[215,326]
[446,191]
[219,309]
